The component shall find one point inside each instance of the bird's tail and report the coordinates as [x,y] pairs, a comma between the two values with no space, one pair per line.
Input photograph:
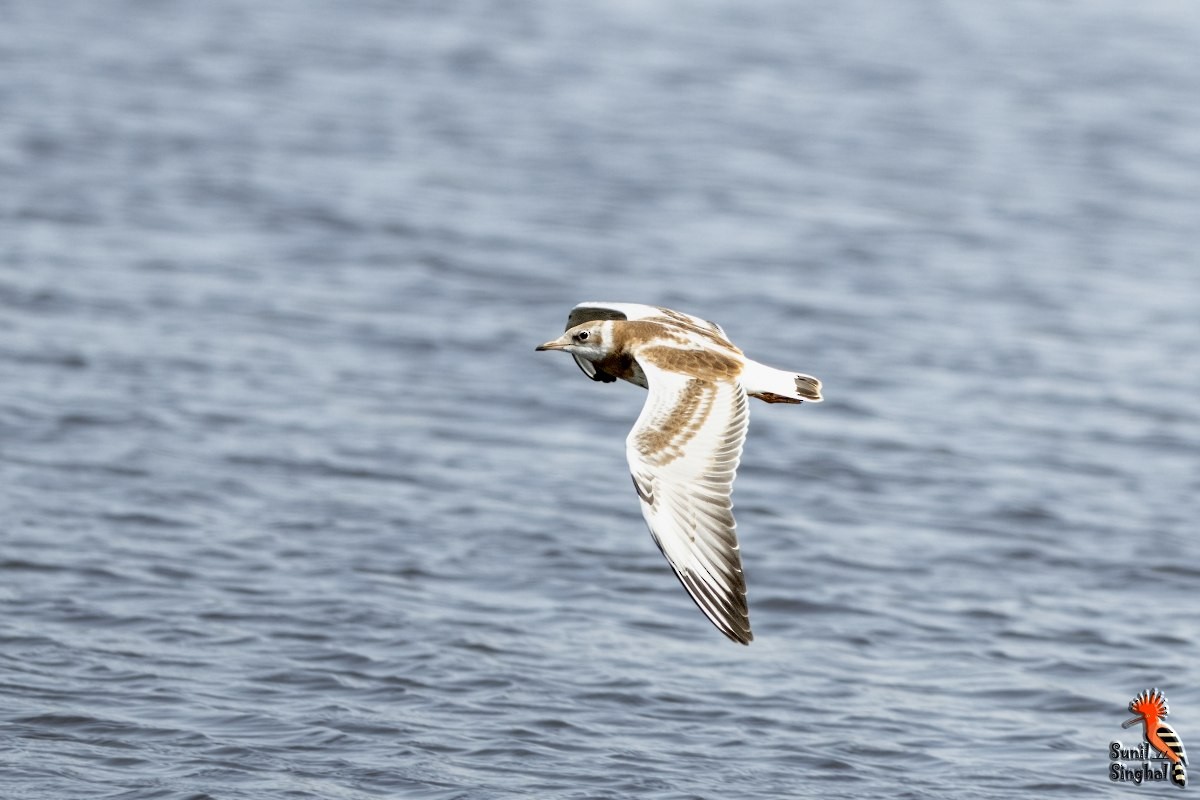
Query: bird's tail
[779,386]
[1175,752]
[1179,774]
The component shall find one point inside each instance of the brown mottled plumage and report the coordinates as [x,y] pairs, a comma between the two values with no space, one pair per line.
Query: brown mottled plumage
[665,443]
[685,447]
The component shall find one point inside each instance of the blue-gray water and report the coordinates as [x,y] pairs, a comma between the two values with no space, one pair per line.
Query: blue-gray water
[291,509]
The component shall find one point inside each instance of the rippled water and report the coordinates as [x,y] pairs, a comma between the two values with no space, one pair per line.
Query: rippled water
[292,509]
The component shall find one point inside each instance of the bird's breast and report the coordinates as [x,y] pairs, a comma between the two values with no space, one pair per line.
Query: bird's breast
[622,365]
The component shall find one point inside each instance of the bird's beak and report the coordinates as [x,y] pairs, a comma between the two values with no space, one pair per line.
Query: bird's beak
[1130,722]
[557,344]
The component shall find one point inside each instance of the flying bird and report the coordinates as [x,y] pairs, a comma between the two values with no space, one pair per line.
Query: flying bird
[685,447]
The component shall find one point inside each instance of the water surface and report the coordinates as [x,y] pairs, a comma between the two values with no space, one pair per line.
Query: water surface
[291,509]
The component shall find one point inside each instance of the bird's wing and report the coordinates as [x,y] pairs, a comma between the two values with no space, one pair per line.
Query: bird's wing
[586,312]
[1171,739]
[683,453]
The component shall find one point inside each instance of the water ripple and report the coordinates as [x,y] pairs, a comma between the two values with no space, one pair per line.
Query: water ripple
[292,508]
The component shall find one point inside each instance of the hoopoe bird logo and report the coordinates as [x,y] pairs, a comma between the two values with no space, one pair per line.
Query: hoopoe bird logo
[1150,706]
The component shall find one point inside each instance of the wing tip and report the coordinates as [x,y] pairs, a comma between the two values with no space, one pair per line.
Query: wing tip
[744,639]
[731,620]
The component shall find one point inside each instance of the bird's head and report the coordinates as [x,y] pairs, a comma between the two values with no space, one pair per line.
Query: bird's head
[590,340]
[1147,705]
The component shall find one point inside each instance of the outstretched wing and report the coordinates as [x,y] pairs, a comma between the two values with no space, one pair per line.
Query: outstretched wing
[683,453]
[587,312]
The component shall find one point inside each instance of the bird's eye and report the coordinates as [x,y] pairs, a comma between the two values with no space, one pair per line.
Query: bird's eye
[582,336]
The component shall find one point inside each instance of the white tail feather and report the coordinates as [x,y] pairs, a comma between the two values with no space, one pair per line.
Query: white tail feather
[779,386]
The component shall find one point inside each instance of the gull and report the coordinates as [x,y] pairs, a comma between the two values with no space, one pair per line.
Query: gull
[685,447]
